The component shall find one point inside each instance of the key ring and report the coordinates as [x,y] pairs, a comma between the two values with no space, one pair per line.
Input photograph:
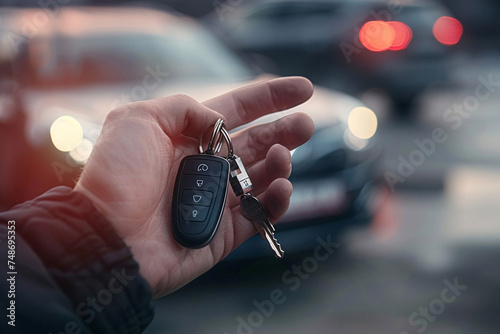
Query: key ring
[225,134]
[216,138]
[219,133]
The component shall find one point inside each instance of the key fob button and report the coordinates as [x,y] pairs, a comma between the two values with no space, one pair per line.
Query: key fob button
[203,167]
[198,182]
[197,197]
[192,213]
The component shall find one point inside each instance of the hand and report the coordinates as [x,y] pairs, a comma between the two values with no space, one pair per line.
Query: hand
[131,172]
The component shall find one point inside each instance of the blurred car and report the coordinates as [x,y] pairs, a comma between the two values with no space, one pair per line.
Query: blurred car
[85,61]
[342,44]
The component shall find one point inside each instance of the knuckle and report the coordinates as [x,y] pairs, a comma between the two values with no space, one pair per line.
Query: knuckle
[123,112]
[117,113]
[182,98]
[135,109]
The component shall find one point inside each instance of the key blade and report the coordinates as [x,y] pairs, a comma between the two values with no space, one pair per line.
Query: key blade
[261,229]
[276,247]
[267,234]
[252,209]
[269,225]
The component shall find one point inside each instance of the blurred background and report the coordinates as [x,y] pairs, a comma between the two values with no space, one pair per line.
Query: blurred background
[393,224]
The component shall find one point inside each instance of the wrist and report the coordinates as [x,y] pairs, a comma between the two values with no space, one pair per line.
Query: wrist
[103,207]
[97,201]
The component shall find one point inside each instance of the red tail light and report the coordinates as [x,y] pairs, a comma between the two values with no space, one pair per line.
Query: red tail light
[376,36]
[380,36]
[447,30]
[402,36]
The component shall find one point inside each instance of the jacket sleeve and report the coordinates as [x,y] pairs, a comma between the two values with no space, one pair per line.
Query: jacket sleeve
[72,272]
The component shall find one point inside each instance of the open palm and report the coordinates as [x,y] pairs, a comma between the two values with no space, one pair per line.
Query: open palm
[131,173]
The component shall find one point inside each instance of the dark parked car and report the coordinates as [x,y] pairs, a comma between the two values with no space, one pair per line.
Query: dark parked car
[327,40]
[70,78]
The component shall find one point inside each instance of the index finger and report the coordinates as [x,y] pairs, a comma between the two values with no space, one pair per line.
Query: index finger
[246,104]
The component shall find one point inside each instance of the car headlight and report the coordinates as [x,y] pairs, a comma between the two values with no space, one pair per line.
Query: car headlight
[66,133]
[362,122]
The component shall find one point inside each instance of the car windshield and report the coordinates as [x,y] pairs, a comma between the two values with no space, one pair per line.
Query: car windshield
[186,54]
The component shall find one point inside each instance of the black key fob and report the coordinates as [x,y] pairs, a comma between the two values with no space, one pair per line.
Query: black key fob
[199,198]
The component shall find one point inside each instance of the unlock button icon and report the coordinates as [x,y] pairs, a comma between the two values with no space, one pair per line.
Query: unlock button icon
[197,197]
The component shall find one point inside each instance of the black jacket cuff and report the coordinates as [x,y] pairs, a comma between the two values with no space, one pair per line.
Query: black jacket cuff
[86,257]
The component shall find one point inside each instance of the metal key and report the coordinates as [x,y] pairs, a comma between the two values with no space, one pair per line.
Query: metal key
[252,209]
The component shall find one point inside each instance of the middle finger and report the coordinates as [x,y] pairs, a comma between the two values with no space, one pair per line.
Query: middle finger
[291,131]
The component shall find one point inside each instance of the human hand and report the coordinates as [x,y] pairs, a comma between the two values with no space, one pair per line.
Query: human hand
[131,172]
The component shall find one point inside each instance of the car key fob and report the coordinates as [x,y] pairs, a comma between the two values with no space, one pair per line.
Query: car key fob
[199,199]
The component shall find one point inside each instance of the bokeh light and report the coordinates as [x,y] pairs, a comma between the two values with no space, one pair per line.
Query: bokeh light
[353,142]
[380,36]
[82,153]
[66,133]
[402,36]
[362,122]
[447,30]
[376,36]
